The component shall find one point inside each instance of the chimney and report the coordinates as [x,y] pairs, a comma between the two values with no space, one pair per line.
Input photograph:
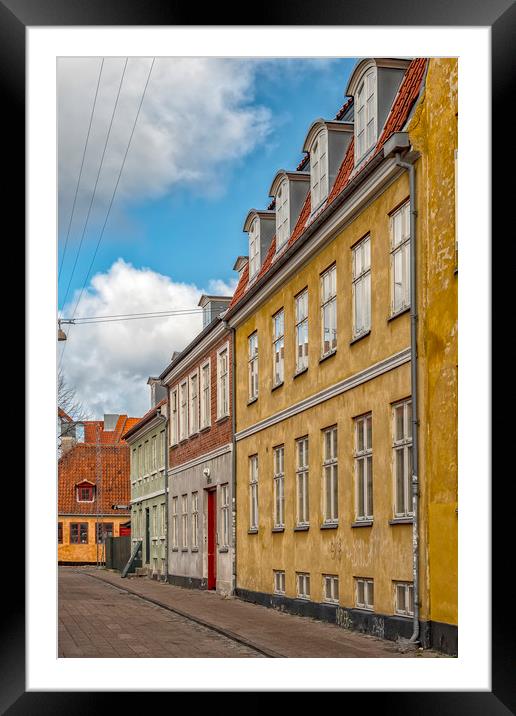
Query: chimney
[212,306]
[158,391]
[240,264]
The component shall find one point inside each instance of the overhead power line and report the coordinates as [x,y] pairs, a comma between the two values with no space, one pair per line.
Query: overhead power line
[86,321]
[80,171]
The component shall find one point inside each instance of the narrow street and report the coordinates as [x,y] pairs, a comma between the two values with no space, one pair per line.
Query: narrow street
[102,615]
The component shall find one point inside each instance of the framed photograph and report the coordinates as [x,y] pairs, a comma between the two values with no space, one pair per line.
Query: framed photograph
[210,107]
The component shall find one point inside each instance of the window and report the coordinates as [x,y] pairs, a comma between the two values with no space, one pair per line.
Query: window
[282,215]
[301,331]
[279,582]
[254,248]
[279,487]
[59,533]
[404,598]
[302,481]
[103,531]
[140,461]
[224,516]
[400,258]
[303,585]
[79,533]
[253,365]
[85,493]
[402,446]
[253,492]
[223,382]
[319,169]
[162,524]
[154,460]
[174,432]
[195,520]
[364,467]
[331,588]
[361,263]
[205,395]
[330,476]
[154,520]
[162,448]
[329,310]
[134,465]
[364,593]
[175,537]
[184,521]
[183,410]
[194,403]
[278,347]
[365,114]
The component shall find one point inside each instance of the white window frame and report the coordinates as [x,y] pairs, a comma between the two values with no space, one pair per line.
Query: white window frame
[330,589]
[140,461]
[205,390]
[183,410]
[253,492]
[302,482]
[146,458]
[184,521]
[162,449]
[134,465]
[175,527]
[403,446]
[331,468]
[193,403]
[222,409]
[162,525]
[363,455]
[303,585]
[361,282]
[328,308]
[279,581]
[407,588]
[224,515]
[400,247]
[367,585]
[195,520]
[254,248]
[154,453]
[319,180]
[282,215]
[301,330]
[252,359]
[174,416]
[278,347]
[279,486]
[366,114]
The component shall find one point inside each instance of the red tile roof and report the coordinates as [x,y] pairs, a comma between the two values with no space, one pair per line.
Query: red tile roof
[107,437]
[141,422]
[402,105]
[80,464]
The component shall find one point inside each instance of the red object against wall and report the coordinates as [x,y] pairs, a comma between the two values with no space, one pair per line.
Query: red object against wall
[124,530]
[212,541]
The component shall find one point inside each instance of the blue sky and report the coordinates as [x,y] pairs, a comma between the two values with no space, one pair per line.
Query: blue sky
[209,139]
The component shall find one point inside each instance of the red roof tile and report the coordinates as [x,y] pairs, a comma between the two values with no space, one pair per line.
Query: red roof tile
[107,437]
[407,95]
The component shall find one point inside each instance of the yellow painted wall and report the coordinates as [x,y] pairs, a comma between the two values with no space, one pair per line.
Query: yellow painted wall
[433,132]
[67,552]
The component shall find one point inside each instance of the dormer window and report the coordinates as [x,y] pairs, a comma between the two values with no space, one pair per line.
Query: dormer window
[85,492]
[254,248]
[282,215]
[319,169]
[365,114]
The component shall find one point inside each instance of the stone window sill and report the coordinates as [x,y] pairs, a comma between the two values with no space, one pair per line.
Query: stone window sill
[175,549]
[278,529]
[359,338]
[204,429]
[300,372]
[252,400]
[399,313]
[278,385]
[362,523]
[222,550]
[401,521]
[184,549]
[252,532]
[329,525]
[328,355]
[301,528]
[222,418]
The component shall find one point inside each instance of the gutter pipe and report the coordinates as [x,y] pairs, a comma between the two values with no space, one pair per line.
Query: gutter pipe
[414,393]
[165,419]
[233,451]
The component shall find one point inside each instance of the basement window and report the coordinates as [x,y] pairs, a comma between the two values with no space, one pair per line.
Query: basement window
[364,593]
[331,588]
[404,598]
[279,582]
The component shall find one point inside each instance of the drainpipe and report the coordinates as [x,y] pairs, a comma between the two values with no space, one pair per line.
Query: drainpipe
[165,420]
[414,392]
[233,451]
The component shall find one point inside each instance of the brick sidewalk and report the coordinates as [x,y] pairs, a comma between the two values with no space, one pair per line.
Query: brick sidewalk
[275,633]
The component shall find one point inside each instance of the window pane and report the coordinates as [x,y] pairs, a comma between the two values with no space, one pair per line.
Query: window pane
[400,482]
[335,493]
[370,486]
[398,417]
[360,488]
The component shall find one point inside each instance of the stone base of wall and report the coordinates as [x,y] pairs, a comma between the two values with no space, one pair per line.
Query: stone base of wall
[65,563]
[189,582]
[434,635]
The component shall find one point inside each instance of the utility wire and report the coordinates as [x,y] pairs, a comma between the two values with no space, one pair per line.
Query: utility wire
[96,181]
[116,187]
[80,171]
[170,312]
[132,318]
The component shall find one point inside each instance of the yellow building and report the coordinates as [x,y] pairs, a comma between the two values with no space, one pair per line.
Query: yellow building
[333,428]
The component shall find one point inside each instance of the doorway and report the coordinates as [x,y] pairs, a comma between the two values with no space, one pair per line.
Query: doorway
[212,539]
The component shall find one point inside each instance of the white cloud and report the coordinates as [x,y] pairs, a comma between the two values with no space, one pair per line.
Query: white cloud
[108,364]
[199,116]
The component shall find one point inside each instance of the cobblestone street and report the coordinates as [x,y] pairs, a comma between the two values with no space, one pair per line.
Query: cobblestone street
[102,615]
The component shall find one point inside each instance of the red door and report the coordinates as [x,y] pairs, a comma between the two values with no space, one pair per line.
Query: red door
[212,540]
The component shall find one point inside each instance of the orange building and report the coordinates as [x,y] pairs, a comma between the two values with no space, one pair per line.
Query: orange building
[93,481]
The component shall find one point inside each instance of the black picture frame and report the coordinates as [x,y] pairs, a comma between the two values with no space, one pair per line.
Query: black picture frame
[500,15]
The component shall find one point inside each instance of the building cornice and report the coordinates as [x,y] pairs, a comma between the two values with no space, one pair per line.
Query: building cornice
[197,351]
[203,458]
[150,496]
[141,432]
[363,376]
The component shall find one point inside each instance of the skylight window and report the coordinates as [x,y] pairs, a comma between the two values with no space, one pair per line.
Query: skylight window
[319,169]
[282,215]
